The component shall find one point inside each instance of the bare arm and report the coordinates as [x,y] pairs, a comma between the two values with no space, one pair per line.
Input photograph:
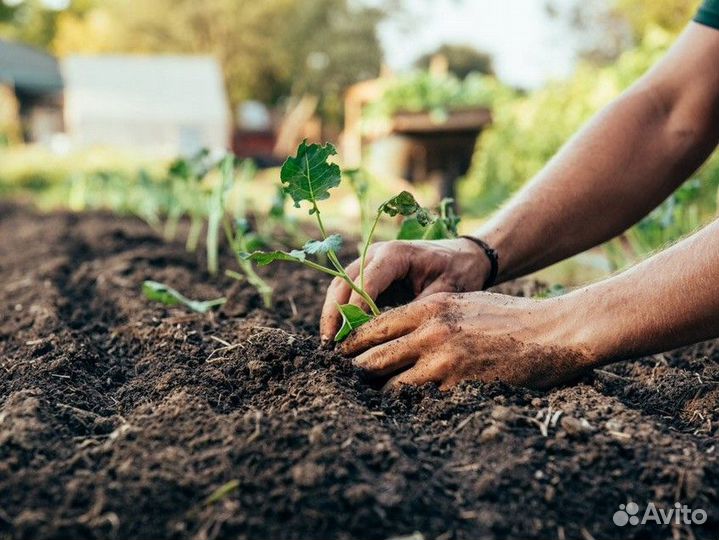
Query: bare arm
[620,166]
[611,174]
[663,303]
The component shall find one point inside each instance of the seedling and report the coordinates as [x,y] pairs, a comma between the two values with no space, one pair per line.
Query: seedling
[241,239]
[216,210]
[159,292]
[443,225]
[187,195]
[308,177]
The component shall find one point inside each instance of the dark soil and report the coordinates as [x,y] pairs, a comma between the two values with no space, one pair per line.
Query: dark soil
[120,418]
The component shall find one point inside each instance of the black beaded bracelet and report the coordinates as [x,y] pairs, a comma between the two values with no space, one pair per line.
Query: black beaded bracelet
[493,257]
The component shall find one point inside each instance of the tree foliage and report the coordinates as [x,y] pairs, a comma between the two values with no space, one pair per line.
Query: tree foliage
[528,130]
[35,23]
[461,59]
[268,49]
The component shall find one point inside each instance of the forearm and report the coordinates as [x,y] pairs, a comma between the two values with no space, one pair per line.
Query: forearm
[663,303]
[618,168]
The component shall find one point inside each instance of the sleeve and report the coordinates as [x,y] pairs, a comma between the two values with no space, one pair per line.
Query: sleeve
[709,14]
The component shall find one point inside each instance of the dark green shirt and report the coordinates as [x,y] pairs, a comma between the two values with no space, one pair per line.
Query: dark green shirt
[709,14]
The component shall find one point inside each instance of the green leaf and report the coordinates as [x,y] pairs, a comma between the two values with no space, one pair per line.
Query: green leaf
[264,258]
[437,231]
[411,229]
[332,243]
[352,317]
[449,217]
[277,210]
[308,176]
[403,204]
[223,491]
[426,225]
[159,292]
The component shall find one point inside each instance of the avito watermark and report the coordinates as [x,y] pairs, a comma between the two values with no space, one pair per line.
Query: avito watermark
[679,514]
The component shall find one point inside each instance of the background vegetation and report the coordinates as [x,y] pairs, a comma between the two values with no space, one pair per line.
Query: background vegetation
[275,49]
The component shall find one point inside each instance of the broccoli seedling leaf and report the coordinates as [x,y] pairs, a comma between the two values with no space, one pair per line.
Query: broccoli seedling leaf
[277,210]
[159,292]
[403,204]
[426,225]
[411,229]
[352,317]
[308,176]
[315,247]
[263,258]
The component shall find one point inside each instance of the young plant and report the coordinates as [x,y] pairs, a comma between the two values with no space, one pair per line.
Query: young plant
[216,210]
[187,196]
[241,240]
[159,292]
[441,226]
[308,177]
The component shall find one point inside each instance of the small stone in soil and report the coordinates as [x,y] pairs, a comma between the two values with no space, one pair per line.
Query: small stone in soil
[573,426]
[490,433]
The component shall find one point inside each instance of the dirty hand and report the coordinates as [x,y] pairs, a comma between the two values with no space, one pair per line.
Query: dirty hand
[429,267]
[448,338]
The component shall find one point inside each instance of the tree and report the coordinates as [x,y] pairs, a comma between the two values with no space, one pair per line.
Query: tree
[267,49]
[331,45]
[669,15]
[603,30]
[34,22]
[462,60]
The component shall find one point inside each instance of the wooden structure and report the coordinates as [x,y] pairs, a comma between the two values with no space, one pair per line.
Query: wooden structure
[446,147]
[433,147]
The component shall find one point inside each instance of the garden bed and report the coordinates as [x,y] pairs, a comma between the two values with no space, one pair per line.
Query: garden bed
[120,418]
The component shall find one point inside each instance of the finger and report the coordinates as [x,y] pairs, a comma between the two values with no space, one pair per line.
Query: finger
[391,357]
[416,376]
[379,274]
[389,325]
[337,293]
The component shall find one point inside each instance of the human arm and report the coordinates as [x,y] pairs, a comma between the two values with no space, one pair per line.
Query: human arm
[619,167]
[662,303]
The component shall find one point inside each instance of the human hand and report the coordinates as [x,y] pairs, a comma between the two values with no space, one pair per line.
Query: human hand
[449,338]
[429,267]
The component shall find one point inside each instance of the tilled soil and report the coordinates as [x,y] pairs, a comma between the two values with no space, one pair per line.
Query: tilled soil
[124,419]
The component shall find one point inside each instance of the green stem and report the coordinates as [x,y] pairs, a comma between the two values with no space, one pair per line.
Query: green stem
[237,245]
[213,226]
[368,240]
[173,219]
[332,256]
[193,236]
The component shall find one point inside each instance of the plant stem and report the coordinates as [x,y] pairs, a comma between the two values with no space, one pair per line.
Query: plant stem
[213,225]
[365,247]
[237,244]
[332,256]
[193,236]
[173,219]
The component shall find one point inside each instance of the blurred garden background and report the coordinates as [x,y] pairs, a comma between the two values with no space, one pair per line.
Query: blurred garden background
[459,98]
